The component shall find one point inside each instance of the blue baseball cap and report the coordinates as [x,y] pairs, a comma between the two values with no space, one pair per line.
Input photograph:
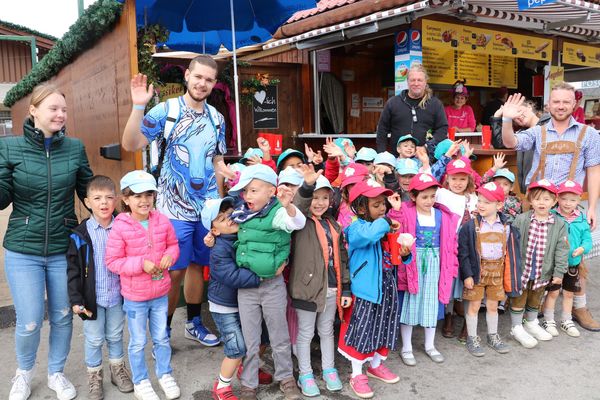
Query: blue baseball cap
[505,173]
[288,153]
[251,152]
[211,210]
[407,166]
[407,137]
[322,182]
[385,158]
[291,176]
[138,181]
[256,171]
[365,154]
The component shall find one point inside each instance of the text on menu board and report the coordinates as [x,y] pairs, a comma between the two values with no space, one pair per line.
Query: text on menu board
[578,54]
[485,41]
[264,108]
[485,70]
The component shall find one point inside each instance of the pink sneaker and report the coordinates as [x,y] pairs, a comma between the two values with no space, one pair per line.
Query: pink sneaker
[360,386]
[383,374]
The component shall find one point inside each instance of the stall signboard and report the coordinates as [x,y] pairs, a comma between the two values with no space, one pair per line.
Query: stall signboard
[578,54]
[169,91]
[527,4]
[264,108]
[447,66]
[449,36]
[408,50]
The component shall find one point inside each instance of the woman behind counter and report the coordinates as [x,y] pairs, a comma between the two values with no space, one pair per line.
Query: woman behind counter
[39,172]
[460,114]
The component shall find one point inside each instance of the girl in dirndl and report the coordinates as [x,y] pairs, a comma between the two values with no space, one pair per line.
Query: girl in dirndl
[370,326]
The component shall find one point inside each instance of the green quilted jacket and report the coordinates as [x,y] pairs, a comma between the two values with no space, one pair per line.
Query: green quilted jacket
[40,185]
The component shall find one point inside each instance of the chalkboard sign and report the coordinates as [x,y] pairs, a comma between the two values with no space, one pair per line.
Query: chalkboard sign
[264,108]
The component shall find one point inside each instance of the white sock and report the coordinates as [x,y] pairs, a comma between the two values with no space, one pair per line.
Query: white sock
[223,382]
[492,322]
[94,369]
[429,337]
[406,333]
[579,301]
[356,368]
[471,324]
[376,361]
[549,314]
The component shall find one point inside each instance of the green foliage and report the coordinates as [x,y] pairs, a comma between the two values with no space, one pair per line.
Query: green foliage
[147,38]
[255,84]
[97,19]
[25,29]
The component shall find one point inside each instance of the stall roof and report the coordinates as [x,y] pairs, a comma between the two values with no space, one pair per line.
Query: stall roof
[572,18]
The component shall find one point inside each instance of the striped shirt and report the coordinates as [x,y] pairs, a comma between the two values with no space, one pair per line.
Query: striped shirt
[557,165]
[108,286]
[534,255]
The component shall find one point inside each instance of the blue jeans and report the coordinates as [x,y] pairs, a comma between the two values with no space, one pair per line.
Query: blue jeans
[139,313]
[29,278]
[230,328]
[108,326]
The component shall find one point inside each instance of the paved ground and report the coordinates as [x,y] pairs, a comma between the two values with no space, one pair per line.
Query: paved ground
[562,368]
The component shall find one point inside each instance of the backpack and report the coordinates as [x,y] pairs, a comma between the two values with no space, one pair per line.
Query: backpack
[159,146]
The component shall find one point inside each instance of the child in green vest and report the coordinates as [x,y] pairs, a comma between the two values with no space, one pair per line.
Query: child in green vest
[266,223]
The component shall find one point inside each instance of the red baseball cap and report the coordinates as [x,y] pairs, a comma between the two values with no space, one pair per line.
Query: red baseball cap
[369,188]
[459,166]
[570,187]
[544,184]
[354,173]
[422,182]
[492,192]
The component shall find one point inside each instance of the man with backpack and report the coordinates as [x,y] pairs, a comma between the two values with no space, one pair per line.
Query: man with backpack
[190,138]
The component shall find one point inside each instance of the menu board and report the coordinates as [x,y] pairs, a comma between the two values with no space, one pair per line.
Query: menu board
[578,54]
[447,66]
[485,41]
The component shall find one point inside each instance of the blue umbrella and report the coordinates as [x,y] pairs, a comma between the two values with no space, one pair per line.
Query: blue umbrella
[205,25]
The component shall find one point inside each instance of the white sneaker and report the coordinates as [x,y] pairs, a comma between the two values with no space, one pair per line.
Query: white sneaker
[569,328]
[526,340]
[21,389]
[144,391]
[169,386]
[535,330]
[550,327]
[62,386]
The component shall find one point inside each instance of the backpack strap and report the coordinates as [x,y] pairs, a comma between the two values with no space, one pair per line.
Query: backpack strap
[158,147]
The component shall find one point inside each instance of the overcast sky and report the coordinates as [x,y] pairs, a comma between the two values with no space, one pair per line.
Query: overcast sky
[53,17]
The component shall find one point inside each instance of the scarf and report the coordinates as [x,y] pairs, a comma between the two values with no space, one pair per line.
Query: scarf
[244,214]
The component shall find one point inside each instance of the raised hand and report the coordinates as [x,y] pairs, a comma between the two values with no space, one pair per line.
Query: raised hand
[310,153]
[284,195]
[224,170]
[395,201]
[318,158]
[263,144]
[499,161]
[309,174]
[468,149]
[454,148]
[422,155]
[349,149]
[140,92]
[332,149]
[512,107]
[499,112]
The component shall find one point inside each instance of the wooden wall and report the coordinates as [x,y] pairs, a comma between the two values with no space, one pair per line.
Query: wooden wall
[96,86]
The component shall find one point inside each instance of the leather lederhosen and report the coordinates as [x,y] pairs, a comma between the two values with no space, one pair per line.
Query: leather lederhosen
[491,272]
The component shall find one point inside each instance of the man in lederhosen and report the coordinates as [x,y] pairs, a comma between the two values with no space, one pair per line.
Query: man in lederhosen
[563,149]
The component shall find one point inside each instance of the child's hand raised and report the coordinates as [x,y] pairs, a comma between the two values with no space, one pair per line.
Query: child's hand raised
[263,144]
[309,174]
[165,262]
[499,162]
[224,170]
[468,149]
[345,301]
[422,156]
[453,149]
[310,153]
[318,158]
[284,195]
[395,201]
[332,149]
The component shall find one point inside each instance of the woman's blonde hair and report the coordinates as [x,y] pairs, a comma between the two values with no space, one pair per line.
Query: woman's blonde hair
[428,92]
[41,91]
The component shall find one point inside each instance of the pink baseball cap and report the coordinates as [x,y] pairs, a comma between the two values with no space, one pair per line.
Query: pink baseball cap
[458,166]
[544,184]
[422,181]
[354,173]
[492,192]
[368,188]
[570,187]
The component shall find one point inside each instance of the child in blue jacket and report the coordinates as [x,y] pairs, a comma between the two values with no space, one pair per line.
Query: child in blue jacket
[225,278]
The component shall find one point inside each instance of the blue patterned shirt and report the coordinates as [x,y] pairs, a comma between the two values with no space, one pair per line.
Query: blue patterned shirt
[108,285]
[557,165]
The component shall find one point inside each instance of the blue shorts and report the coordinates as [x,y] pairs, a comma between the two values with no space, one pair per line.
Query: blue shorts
[230,328]
[190,235]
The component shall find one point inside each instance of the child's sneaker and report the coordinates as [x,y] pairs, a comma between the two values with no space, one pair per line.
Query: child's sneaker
[360,386]
[224,393]
[501,307]
[169,386]
[332,380]
[383,374]
[144,391]
[308,385]
[550,327]
[474,346]
[521,336]
[21,388]
[569,328]
[195,330]
[62,386]
[496,343]
[290,389]
[535,330]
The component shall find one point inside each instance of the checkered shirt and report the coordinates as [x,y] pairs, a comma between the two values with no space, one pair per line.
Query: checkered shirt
[534,257]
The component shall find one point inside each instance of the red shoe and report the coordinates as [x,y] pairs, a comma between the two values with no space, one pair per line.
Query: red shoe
[383,374]
[264,378]
[225,393]
[360,386]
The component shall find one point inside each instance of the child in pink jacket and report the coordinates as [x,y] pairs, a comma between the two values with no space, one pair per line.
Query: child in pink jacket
[141,246]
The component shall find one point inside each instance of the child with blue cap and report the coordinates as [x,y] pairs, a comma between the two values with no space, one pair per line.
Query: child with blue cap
[260,155]
[407,148]
[266,222]
[384,171]
[504,178]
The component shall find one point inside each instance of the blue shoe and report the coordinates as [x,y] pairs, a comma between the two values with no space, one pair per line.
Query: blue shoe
[195,330]
[332,379]
[308,385]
